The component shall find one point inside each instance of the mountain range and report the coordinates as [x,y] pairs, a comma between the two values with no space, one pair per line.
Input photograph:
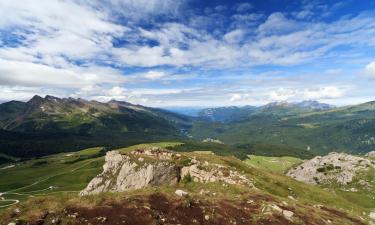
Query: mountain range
[43,126]
[50,124]
[235,113]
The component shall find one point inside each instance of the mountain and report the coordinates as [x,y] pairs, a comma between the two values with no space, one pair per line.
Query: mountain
[226,114]
[314,105]
[43,126]
[235,113]
[188,111]
[33,128]
[320,130]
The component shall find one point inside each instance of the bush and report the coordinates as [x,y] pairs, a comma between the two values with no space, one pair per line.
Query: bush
[187,179]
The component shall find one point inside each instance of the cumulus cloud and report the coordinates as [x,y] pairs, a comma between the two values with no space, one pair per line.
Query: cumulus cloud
[31,74]
[298,94]
[97,49]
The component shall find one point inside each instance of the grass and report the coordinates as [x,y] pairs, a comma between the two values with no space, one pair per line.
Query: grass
[148,145]
[35,177]
[274,164]
[264,172]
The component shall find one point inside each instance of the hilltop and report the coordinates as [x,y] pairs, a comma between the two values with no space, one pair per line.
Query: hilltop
[148,184]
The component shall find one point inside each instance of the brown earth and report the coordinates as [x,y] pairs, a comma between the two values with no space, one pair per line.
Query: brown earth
[159,208]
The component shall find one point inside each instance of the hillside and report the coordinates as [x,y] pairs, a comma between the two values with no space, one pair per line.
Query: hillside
[35,127]
[321,130]
[214,190]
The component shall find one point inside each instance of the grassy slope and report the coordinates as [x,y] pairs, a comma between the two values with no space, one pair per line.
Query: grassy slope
[65,172]
[58,171]
[274,164]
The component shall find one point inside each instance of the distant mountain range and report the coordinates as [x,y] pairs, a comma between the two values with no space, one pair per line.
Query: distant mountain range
[49,125]
[235,113]
[309,125]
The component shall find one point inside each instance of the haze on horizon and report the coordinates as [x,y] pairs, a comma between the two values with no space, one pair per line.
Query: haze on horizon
[188,52]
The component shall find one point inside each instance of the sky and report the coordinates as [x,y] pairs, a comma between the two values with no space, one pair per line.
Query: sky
[166,53]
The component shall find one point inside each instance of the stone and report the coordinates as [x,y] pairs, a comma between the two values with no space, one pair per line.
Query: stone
[17,210]
[276,208]
[288,214]
[372,215]
[338,167]
[181,193]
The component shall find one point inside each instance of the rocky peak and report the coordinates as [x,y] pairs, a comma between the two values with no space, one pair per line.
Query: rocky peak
[51,98]
[36,99]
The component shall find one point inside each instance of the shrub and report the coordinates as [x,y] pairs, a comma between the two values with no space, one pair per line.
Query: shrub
[187,179]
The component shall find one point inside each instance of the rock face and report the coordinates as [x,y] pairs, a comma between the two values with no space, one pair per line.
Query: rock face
[155,166]
[121,173]
[334,167]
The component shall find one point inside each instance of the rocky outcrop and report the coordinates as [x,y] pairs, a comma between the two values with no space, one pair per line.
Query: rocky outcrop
[334,167]
[122,173]
[156,166]
[206,172]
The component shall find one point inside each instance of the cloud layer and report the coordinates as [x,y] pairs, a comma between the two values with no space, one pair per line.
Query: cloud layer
[164,52]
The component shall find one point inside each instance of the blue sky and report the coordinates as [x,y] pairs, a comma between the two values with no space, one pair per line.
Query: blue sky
[189,52]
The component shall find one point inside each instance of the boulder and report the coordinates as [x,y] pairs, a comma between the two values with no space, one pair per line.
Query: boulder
[338,167]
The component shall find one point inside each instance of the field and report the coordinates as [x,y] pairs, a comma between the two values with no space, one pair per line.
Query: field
[61,173]
[274,164]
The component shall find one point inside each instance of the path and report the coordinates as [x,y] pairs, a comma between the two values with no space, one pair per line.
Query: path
[16,201]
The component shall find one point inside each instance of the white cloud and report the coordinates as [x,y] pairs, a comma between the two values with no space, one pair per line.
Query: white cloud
[282,94]
[277,23]
[235,97]
[243,7]
[234,36]
[370,69]
[329,92]
[298,94]
[154,75]
[140,9]
[31,74]
[117,91]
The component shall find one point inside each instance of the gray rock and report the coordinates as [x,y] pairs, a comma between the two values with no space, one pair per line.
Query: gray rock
[181,193]
[338,167]
[121,173]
